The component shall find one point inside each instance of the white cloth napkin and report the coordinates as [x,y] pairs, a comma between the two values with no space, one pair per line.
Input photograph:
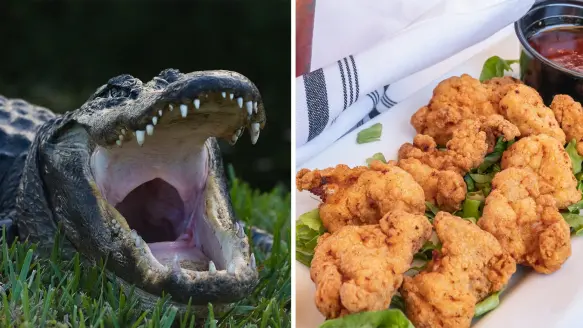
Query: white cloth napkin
[365,54]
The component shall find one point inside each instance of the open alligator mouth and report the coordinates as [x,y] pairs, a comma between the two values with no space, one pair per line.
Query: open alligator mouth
[161,170]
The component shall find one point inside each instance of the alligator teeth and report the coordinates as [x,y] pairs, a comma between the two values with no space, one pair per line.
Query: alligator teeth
[155,120]
[240,231]
[176,264]
[252,262]
[234,138]
[170,107]
[140,136]
[249,106]
[196,103]
[150,129]
[123,131]
[254,132]
[120,137]
[240,102]
[212,267]
[118,142]
[160,112]
[240,132]
[183,110]
[138,241]
[224,94]
[255,107]
[231,96]
[231,268]
[133,234]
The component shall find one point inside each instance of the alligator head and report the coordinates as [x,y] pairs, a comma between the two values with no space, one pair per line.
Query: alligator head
[135,176]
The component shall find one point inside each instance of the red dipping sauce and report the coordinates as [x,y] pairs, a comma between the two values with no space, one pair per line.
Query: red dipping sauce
[562,45]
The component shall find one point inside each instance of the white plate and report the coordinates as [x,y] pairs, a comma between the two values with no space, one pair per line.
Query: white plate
[531,300]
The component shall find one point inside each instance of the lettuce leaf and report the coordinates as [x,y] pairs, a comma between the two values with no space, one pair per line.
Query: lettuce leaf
[308,228]
[576,159]
[377,156]
[495,67]
[430,211]
[494,157]
[488,304]
[575,221]
[391,318]
[370,134]
[426,251]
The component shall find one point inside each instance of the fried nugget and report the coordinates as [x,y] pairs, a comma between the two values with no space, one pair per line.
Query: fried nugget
[498,87]
[471,266]
[545,157]
[359,268]
[446,189]
[527,224]
[569,114]
[470,143]
[454,100]
[361,195]
[524,107]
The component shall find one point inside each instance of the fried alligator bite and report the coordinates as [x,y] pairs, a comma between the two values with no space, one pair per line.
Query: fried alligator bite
[454,100]
[498,87]
[359,268]
[524,107]
[527,224]
[569,114]
[361,195]
[446,189]
[470,143]
[545,157]
[471,266]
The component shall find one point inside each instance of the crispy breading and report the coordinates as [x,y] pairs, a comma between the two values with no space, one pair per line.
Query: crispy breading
[471,265]
[524,107]
[546,157]
[527,224]
[361,195]
[569,114]
[359,268]
[454,100]
[446,189]
[498,87]
[470,143]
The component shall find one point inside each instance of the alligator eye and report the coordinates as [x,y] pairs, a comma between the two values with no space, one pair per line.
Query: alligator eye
[118,93]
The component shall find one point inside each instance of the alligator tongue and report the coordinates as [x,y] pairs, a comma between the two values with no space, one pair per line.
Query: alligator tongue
[188,256]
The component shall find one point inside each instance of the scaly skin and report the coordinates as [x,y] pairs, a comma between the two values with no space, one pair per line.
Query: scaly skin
[48,179]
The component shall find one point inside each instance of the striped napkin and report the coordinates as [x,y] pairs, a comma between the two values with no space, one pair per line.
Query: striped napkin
[364,65]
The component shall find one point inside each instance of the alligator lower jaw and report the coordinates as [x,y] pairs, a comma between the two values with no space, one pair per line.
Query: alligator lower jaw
[171,208]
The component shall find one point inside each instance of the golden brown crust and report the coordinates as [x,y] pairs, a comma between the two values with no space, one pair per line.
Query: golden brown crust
[527,224]
[545,157]
[498,87]
[361,195]
[470,143]
[454,100]
[569,115]
[471,266]
[524,107]
[446,189]
[359,268]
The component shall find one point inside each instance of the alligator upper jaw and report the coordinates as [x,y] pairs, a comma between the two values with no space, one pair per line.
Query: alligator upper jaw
[163,202]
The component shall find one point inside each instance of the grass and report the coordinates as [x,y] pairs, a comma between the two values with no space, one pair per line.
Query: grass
[38,292]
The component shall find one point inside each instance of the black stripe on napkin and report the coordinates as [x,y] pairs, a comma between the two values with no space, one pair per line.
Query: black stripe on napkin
[317,101]
[355,77]
[343,84]
[374,96]
[349,81]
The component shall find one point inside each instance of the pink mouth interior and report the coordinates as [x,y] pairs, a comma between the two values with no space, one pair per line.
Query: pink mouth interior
[161,196]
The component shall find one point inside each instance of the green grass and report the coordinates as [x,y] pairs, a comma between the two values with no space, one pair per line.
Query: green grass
[56,293]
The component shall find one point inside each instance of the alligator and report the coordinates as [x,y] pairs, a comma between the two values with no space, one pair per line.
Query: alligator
[135,176]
